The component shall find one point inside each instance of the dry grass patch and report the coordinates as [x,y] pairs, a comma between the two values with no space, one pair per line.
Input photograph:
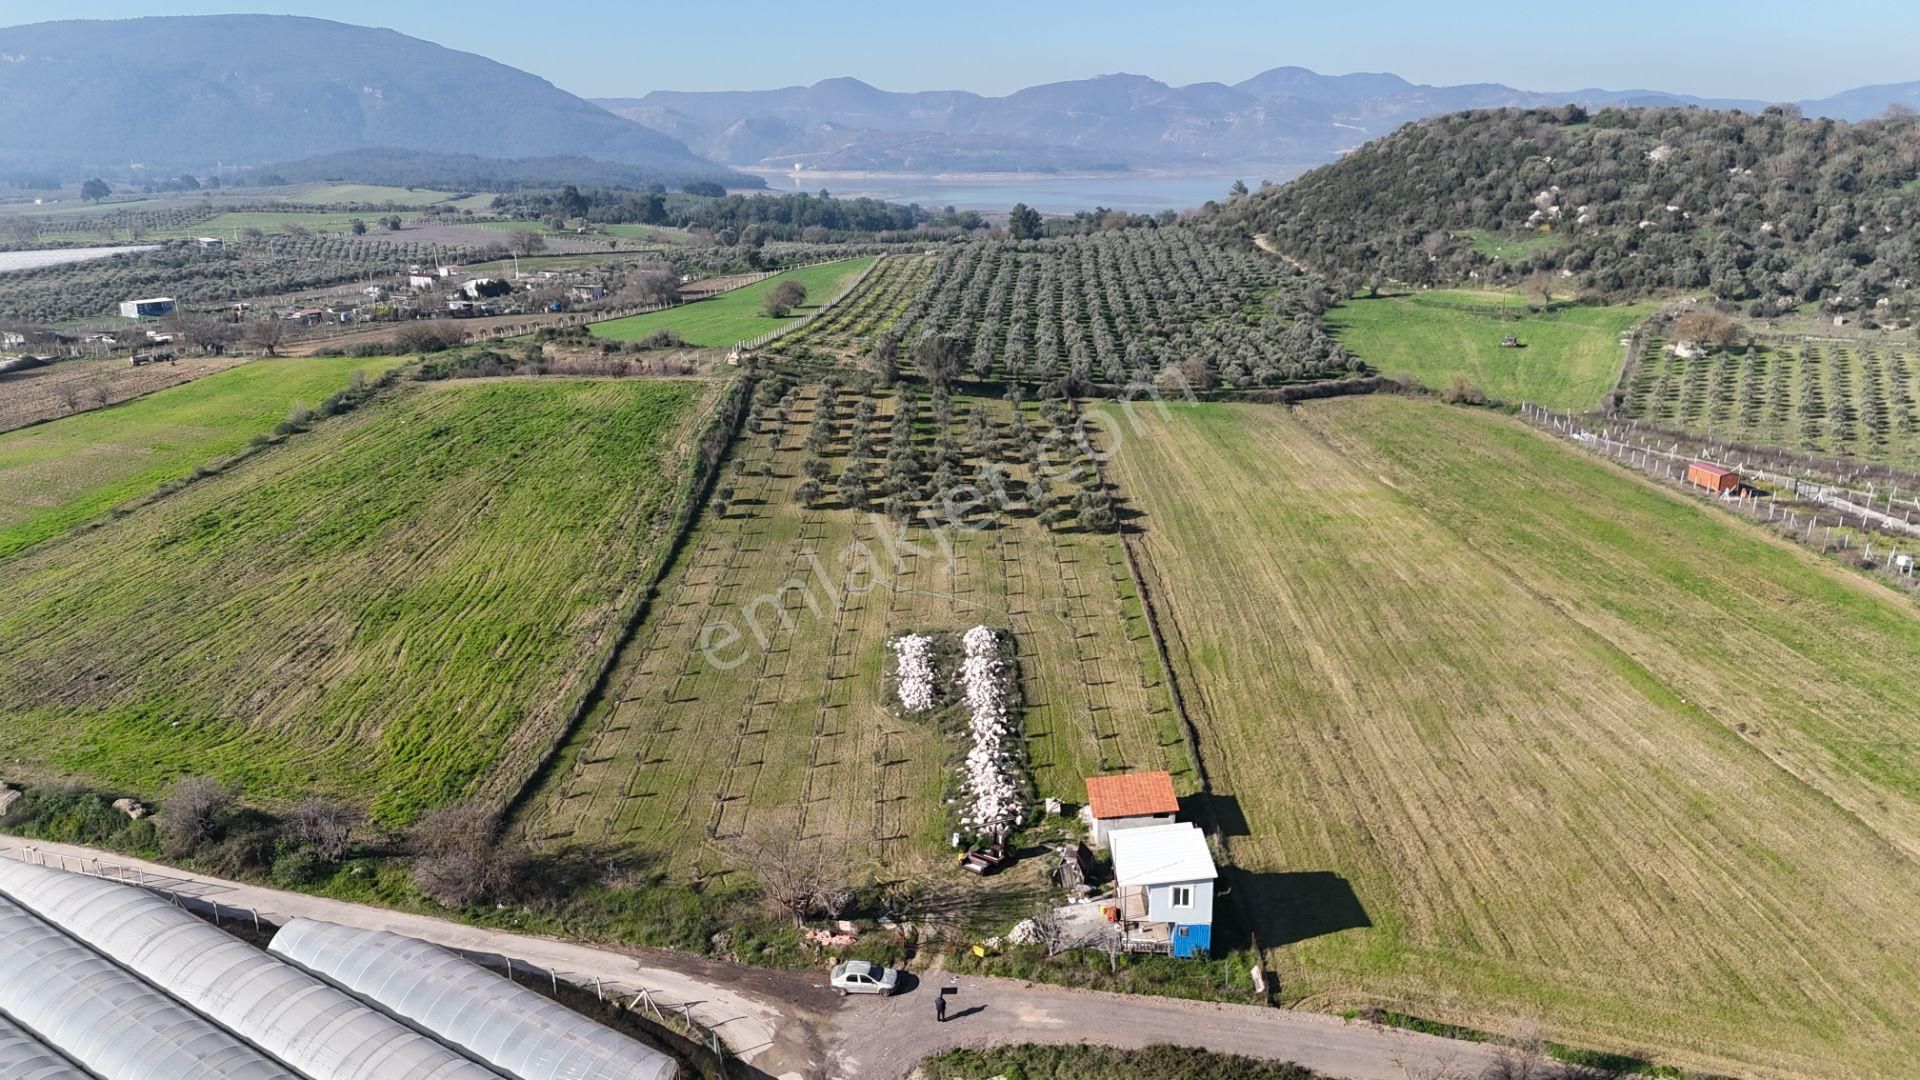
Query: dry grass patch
[1516,735]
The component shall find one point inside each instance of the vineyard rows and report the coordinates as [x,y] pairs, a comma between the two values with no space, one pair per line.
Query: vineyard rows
[197,277]
[699,743]
[1122,306]
[1830,399]
[868,310]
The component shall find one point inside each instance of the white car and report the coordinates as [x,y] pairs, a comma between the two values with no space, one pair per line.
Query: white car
[861,977]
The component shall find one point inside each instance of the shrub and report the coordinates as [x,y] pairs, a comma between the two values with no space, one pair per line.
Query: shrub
[194,814]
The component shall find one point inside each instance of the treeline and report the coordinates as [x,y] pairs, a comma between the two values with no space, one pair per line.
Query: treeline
[797,216]
[1769,210]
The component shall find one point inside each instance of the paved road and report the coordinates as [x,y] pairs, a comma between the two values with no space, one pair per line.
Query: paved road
[882,1038]
[790,1026]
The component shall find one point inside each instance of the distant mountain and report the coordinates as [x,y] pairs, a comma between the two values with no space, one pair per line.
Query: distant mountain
[192,92]
[1288,116]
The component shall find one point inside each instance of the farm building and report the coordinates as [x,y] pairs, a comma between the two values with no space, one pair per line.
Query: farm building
[1165,875]
[588,293]
[210,243]
[1128,801]
[157,307]
[99,978]
[1715,478]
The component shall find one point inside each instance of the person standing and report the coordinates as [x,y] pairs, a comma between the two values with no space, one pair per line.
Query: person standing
[940,1008]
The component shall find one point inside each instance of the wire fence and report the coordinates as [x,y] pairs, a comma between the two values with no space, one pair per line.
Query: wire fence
[795,324]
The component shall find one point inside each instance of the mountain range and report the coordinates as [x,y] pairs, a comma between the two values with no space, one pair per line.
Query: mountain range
[197,92]
[1284,116]
[200,91]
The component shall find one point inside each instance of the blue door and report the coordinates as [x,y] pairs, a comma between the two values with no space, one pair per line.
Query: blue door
[1192,940]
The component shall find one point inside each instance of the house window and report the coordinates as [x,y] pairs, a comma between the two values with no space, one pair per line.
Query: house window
[1183,896]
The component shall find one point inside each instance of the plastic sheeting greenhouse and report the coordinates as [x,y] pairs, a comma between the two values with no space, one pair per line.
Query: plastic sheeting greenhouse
[23,1057]
[104,980]
[299,1019]
[515,1029]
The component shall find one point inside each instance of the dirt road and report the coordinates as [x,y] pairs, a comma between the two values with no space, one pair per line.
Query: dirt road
[789,1025]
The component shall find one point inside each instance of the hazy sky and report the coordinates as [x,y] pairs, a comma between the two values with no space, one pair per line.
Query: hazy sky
[1769,49]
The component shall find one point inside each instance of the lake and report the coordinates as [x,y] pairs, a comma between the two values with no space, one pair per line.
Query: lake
[34,260]
[1138,192]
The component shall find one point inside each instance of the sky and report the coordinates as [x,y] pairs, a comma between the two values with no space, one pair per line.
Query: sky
[1765,49]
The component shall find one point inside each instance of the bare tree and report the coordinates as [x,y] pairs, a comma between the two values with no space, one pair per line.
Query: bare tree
[68,393]
[799,875]
[192,814]
[528,242]
[654,283]
[22,228]
[1538,289]
[327,825]
[267,334]
[459,860]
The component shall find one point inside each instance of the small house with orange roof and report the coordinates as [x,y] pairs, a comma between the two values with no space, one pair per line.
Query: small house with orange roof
[1129,801]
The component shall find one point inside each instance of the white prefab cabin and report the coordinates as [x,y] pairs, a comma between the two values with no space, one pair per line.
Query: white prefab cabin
[1165,875]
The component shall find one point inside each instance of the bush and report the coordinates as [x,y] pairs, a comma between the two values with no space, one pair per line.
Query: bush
[299,866]
[194,815]
[1030,1062]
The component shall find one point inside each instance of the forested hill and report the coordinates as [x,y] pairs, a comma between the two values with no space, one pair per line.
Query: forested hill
[200,91]
[1753,208]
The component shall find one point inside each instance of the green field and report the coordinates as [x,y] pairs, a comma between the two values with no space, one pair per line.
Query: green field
[703,734]
[1519,738]
[1504,247]
[56,475]
[381,195]
[1835,399]
[396,608]
[1570,357]
[735,316]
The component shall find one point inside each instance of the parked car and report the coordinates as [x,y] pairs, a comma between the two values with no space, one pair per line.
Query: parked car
[861,977]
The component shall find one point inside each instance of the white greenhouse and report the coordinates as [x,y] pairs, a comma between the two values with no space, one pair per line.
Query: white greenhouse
[105,1019]
[298,1018]
[23,1057]
[515,1029]
[104,980]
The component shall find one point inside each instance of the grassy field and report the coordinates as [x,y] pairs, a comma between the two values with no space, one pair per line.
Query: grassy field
[688,748]
[395,608]
[378,195]
[735,316]
[1503,247]
[1517,737]
[1570,359]
[1829,398]
[56,475]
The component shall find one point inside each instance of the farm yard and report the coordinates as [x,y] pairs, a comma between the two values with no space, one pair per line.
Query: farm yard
[396,608]
[705,733]
[1841,399]
[1519,739]
[60,474]
[1570,355]
[68,386]
[736,316]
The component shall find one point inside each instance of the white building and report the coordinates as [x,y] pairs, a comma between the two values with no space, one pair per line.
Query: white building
[1165,874]
[157,307]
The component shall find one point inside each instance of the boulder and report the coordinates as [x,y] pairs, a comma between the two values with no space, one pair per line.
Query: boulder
[133,808]
[8,796]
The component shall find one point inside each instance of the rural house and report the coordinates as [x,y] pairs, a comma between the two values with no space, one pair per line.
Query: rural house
[1165,875]
[158,307]
[1128,801]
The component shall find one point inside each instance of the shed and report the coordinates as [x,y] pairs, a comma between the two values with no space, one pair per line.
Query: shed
[1129,801]
[1715,478]
[1165,874]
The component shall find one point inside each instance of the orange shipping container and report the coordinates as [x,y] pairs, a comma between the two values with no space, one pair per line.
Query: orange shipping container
[1712,477]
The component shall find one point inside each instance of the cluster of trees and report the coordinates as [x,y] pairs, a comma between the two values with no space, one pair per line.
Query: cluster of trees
[1768,210]
[196,276]
[747,218]
[1125,307]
